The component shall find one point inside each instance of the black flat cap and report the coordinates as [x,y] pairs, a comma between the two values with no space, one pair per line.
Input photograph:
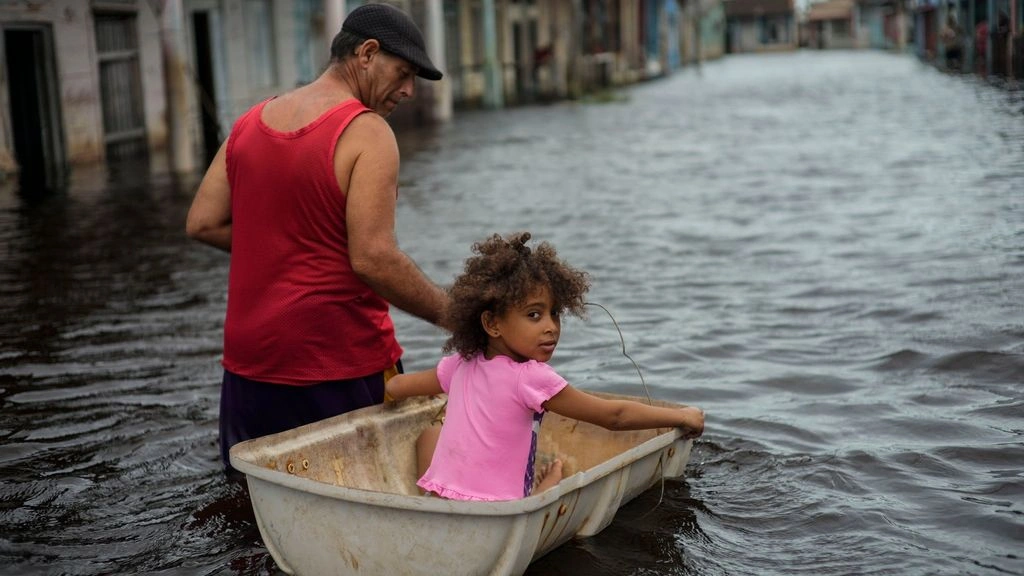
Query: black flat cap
[395,31]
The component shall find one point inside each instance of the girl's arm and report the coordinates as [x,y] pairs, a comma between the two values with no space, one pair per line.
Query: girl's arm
[402,386]
[624,414]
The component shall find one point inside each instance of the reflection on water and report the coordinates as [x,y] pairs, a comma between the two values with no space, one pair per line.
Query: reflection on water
[821,250]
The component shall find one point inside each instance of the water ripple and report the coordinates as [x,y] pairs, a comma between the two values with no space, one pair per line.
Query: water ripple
[822,250]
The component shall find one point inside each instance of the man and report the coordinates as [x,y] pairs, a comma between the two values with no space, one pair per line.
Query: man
[302,194]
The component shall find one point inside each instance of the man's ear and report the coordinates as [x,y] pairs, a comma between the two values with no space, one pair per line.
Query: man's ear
[490,323]
[367,50]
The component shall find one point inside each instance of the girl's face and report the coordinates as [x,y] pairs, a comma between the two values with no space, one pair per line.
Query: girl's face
[526,331]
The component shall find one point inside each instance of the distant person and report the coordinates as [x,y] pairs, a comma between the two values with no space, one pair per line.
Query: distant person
[952,42]
[303,194]
[506,319]
[980,44]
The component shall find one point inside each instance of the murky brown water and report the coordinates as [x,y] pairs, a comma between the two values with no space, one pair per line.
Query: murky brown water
[823,250]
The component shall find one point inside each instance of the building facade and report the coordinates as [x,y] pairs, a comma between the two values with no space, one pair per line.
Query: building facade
[760,26]
[82,83]
[981,36]
[88,81]
[113,80]
[835,24]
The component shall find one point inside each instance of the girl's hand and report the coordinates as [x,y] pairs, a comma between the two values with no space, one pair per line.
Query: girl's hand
[693,421]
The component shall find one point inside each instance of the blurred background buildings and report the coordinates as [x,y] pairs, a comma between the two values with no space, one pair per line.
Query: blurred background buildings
[118,80]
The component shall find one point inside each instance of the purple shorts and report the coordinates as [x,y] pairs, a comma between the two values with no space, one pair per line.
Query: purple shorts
[250,409]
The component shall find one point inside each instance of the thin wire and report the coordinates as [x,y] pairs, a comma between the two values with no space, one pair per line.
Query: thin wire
[624,353]
[622,339]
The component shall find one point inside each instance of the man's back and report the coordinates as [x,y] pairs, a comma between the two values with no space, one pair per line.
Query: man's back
[297,312]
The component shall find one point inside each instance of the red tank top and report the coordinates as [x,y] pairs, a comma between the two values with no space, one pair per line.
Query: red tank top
[296,312]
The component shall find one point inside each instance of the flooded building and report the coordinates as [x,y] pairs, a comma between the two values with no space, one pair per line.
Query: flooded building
[833,24]
[552,49]
[164,80]
[83,83]
[115,80]
[856,24]
[702,30]
[499,53]
[882,23]
[760,26]
[981,36]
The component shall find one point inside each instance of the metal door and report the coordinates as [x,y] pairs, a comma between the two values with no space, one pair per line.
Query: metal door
[117,48]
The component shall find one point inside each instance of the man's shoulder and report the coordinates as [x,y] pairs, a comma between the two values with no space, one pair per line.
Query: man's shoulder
[367,133]
[371,128]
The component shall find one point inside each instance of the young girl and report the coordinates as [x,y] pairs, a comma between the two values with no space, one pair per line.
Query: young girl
[505,317]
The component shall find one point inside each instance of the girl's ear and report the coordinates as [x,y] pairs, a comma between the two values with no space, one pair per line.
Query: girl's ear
[490,323]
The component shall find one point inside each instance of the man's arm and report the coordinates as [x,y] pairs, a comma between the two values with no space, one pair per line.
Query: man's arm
[209,218]
[372,190]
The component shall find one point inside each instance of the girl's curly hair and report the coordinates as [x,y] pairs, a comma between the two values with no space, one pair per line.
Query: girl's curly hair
[502,276]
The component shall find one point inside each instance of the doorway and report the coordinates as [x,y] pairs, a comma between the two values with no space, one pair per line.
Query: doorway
[35,114]
[206,92]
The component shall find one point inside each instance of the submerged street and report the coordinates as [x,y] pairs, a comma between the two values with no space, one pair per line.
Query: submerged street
[823,250]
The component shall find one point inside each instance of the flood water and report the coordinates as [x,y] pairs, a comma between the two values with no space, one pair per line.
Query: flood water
[825,251]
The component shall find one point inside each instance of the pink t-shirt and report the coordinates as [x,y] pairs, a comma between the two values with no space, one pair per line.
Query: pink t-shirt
[487,444]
